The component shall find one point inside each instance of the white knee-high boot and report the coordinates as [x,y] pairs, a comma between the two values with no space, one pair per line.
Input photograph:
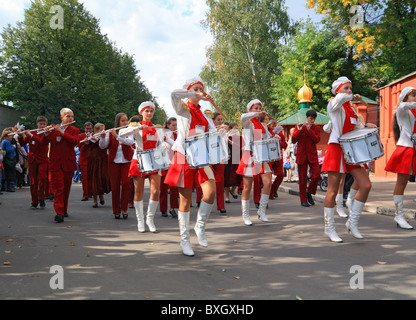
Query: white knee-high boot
[264,200]
[201,222]
[183,219]
[351,197]
[330,225]
[138,206]
[355,214]
[245,207]
[150,216]
[340,206]
[400,218]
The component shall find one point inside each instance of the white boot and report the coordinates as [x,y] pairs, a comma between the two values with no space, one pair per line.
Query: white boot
[150,216]
[400,215]
[264,200]
[201,221]
[183,218]
[355,214]
[138,206]
[351,197]
[330,225]
[340,206]
[245,206]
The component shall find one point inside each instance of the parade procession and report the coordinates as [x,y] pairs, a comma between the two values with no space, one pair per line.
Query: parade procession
[273,138]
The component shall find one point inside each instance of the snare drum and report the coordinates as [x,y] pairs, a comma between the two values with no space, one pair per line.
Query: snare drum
[362,146]
[206,149]
[153,160]
[267,150]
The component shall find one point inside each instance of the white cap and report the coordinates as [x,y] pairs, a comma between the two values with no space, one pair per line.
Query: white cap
[145,105]
[406,92]
[190,82]
[252,103]
[339,83]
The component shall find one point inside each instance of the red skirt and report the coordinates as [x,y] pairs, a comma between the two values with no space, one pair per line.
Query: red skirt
[181,175]
[335,162]
[403,161]
[256,169]
[134,171]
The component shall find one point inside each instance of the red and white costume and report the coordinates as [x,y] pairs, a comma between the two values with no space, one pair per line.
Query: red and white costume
[403,159]
[253,130]
[191,121]
[344,119]
[145,140]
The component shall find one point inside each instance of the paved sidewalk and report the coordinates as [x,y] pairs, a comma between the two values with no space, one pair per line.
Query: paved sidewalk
[380,200]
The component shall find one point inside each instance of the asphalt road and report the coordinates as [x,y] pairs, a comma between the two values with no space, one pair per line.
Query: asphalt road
[287,259]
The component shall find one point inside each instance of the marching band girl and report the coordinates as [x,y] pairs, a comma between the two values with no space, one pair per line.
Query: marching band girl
[191,121]
[171,136]
[403,160]
[344,120]
[119,157]
[254,130]
[219,169]
[146,138]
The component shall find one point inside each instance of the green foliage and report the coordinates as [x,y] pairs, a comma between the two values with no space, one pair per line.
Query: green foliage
[45,69]
[318,48]
[242,60]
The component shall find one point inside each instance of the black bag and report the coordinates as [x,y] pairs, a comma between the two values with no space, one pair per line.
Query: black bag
[9,163]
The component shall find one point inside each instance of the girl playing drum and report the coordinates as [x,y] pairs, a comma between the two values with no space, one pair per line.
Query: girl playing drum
[254,130]
[344,120]
[146,139]
[403,160]
[191,122]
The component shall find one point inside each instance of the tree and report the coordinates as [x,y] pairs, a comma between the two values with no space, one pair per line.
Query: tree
[384,47]
[242,60]
[44,68]
[317,47]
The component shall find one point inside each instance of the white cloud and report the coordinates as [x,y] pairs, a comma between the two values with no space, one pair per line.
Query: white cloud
[165,37]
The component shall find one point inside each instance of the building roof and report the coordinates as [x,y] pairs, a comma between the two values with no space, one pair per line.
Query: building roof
[397,81]
[300,117]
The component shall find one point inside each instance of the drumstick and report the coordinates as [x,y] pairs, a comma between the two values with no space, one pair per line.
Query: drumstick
[216,107]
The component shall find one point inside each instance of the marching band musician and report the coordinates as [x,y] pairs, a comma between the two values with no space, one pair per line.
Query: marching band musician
[97,168]
[62,161]
[146,139]
[119,157]
[171,136]
[277,166]
[307,136]
[38,163]
[254,130]
[403,160]
[84,154]
[191,121]
[344,120]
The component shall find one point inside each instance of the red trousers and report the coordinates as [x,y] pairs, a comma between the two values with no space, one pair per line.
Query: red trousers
[279,173]
[303,179]
[60,184]
[174,193]
[38,173]
[120,186]
[219,171]
[84,177]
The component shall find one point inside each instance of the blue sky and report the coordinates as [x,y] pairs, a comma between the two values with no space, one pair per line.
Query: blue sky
[165,36]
